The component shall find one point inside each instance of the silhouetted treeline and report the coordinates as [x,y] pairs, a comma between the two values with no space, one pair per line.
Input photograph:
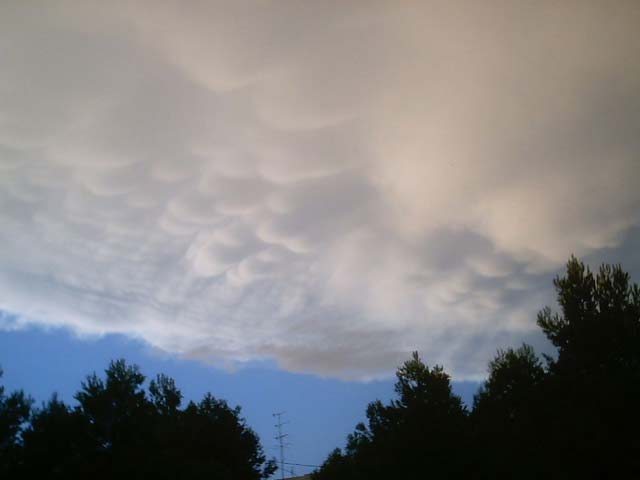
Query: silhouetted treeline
[573,415]
[120,430]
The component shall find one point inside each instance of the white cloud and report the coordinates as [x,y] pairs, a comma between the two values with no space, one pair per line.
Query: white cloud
[328,184]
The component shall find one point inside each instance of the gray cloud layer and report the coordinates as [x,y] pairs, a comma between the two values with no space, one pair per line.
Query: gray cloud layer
[329,184]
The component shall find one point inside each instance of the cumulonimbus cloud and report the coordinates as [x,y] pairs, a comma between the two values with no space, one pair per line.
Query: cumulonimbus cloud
[327,184]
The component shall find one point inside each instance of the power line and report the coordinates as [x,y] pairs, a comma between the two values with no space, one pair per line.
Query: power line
[302,465]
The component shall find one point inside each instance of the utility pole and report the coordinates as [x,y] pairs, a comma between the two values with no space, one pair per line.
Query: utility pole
[280,438]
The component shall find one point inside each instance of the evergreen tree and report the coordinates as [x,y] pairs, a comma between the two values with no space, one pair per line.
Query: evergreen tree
[575,417]
[119,429]
[14,412]
[424,428]
[593,386]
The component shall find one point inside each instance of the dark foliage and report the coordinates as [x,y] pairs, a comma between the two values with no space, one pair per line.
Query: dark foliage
[14,412]
[577,416]
[424,426]
[119,430]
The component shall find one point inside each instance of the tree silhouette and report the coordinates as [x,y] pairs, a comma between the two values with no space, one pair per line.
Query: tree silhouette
[219,440]
[57,442]
[575,417]
[119,429]
[599,328]
[165,396]
[593,386]
[505,418]
[425,425]
[14,411]
[119,417]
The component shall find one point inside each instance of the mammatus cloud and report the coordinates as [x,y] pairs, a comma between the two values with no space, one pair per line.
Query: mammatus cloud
[328,184]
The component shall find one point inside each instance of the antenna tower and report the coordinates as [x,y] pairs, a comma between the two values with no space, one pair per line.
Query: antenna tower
[280,438]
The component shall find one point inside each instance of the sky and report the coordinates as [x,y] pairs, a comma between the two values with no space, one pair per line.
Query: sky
[307,191]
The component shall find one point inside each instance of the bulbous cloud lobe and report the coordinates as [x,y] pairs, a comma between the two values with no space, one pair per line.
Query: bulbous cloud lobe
[327,184]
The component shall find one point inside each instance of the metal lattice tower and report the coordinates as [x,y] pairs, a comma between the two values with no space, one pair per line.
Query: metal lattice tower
[280,438]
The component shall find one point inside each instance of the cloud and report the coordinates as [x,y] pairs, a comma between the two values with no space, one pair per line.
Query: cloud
[331,185]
